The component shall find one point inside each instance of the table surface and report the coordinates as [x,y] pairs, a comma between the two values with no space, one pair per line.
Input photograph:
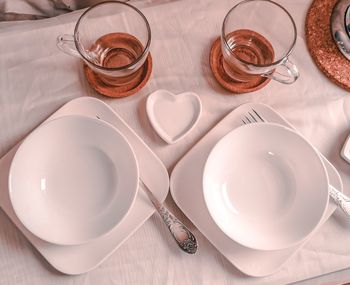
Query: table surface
[36,79]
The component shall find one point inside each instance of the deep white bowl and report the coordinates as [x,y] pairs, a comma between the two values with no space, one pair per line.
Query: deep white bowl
[73,179]
[265,186]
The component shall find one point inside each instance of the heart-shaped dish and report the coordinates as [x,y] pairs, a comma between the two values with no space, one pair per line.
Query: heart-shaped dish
[173,116]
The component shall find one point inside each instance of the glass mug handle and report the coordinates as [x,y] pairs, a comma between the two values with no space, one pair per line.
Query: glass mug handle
[66,44]
[289,77]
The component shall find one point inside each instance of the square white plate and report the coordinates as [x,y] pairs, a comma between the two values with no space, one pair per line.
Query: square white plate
[186,187]
[79,259]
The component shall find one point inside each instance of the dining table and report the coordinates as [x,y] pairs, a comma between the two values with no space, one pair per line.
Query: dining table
[36,79]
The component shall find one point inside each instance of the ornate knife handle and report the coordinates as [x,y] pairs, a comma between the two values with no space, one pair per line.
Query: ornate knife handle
[184,238]
[340,199]
[182,235]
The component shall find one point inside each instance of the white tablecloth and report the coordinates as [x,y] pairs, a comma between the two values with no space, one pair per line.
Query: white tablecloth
[36,79]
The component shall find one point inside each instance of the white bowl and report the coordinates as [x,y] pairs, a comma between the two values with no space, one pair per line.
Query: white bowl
[265,186]
[73,179]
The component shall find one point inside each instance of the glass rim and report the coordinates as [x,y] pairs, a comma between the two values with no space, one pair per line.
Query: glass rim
[137,60]
[277,62]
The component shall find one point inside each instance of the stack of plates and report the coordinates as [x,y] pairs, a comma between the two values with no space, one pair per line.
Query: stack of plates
[73,180]
[265,186]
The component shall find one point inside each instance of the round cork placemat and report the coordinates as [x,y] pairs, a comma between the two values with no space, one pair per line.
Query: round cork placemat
[216,64]
[135,85]
[321,46]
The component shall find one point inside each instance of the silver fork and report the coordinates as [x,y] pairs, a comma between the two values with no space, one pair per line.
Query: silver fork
[338,197]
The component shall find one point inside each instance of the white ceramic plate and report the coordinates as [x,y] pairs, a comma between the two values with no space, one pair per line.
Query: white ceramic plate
[73,180]
[187,186]
[79,259]
[265,186]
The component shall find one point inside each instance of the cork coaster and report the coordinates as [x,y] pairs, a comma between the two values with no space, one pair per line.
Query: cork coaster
[140,80]
[216,64]
[321,46]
